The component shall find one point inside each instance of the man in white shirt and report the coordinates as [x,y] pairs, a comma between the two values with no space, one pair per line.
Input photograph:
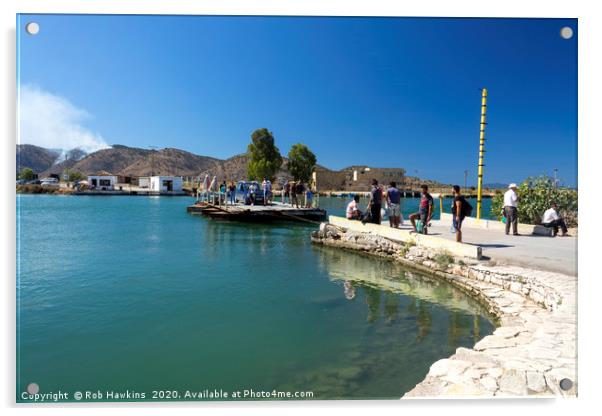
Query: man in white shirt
[353,212]
[511,209]
[268,187]
[551,219]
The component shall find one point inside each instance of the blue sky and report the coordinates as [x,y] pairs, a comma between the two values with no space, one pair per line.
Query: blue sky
[389,92]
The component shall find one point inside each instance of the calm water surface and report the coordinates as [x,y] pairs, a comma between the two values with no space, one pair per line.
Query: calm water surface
[134,293]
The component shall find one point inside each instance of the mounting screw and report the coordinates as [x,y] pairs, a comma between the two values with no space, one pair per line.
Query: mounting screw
[566,384]
[32,28]
[33,388]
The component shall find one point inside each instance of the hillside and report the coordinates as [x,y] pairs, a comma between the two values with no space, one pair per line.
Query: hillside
[132,161]
[169,161]
[36,158]
[112,160]
[235,168]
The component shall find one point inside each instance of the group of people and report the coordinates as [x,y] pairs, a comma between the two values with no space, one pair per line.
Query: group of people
[229,191]
[390,198]
[460,209]
[293,192]
[551,217]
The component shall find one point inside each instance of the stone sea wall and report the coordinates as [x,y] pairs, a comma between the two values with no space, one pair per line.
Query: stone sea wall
[532,350]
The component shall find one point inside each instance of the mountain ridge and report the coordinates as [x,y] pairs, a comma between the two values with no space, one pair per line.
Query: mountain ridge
[123,160]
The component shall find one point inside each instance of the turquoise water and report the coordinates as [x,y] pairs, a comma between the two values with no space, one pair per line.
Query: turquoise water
[133,293]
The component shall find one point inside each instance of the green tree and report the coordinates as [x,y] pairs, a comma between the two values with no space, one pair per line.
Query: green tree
[536,194]
[73,175]
[27,174]
[301,162]
[264,156]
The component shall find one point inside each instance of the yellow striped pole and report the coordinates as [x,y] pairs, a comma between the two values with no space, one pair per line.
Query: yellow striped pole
[481,151]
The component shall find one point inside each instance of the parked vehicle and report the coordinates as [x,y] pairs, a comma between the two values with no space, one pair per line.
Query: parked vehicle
[245,188]
[21,181]
[50,182]
[33,182]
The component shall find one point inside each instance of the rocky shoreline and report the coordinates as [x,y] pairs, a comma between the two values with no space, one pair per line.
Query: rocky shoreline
[532,350]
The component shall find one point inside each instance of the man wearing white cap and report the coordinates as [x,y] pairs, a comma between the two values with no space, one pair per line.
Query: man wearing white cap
[511,209]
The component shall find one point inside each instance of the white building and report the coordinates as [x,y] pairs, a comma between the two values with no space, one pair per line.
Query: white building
[166,183]
[144,182]
[103,181]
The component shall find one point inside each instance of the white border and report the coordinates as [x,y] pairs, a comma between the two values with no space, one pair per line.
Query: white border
[590,94]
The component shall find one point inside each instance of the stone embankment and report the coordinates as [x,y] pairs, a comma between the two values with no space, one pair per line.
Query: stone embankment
[531,353]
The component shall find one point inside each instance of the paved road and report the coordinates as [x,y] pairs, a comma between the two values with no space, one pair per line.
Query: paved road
[557,254]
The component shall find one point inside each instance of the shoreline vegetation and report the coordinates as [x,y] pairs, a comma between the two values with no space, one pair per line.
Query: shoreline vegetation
[39,189]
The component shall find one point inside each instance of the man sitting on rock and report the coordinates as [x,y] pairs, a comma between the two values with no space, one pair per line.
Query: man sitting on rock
[551,219]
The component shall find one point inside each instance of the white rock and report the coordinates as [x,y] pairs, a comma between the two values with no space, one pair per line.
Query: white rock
[473,373]
[536,382]
[516,287]
[508,331]
[489,383]
[448,367]
[514,382]
[492,341]
[546,353]
[466,390]
[494,372]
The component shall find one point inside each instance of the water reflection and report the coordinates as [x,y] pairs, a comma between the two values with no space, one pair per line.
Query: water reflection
[406,322]
[367,273]
[349,290]
[373,302]
[382,283]
[391,308]
[420,310]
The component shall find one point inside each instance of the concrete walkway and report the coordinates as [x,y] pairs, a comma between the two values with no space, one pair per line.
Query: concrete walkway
[554,254]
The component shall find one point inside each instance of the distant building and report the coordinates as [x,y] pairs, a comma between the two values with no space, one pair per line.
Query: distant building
[127,179]
[144,182]
[103,181]
[165,183]
[357,178]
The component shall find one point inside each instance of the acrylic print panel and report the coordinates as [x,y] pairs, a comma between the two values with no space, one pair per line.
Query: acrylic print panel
[261,208]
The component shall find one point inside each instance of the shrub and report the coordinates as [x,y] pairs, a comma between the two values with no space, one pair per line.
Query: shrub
[406,246]
[444,259]
[536,195]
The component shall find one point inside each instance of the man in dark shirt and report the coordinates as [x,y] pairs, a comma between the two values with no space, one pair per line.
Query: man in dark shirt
[394,201]
[299,191]
[376,202]
[425,210]
[458,212]
[293,192]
